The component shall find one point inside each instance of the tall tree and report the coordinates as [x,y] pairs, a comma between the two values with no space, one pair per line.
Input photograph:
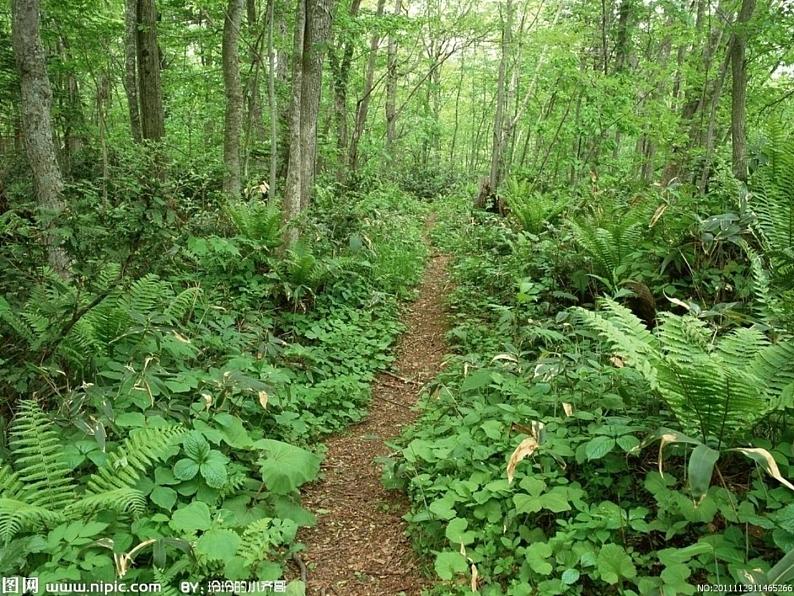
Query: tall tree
[366,93]
[340,69]
[35,104]
[234,99]
[498,143]
[391,86]
[272,100]
[149,85]
[292,187]
[318,29]
[739,89]
[312,27]
[130,66]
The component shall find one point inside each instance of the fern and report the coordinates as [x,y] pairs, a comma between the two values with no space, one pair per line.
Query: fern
[609,247]
[10,485]
[532,210]
[258,222]
[717,388]
[17,516]
[773,204]
[37,458]
[39,490]
[260,536]
[136,454]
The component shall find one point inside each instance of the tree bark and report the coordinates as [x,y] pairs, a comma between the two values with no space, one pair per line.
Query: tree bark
[292,188]
[497,150]
[234,99]
[363,104]
[391,88]
[130,66]
[36,101]
[318,29]
[271,92]
[341,76]
[256,125]
[739,90]
[150,88]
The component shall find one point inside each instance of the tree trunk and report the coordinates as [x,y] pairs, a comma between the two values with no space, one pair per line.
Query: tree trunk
[498,145]
[234,99]
[341,75]
[130,66]
[292,188]
[363,103]
[150,88]
[36,100]
[271,92]
[739,90]
[256,125]
[318,29]
[391,87]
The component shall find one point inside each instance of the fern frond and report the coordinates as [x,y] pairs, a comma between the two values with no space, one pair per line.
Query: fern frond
[256,541]
[15,322]
[182,304]
[135,455]
[718,388]
[120,500]
[17,516]
[37,451]
[10,485]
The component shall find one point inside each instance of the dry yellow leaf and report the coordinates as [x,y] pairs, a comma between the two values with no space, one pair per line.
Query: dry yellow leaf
[475,576]
[263,397]
[567,408]
[617,361]
[525,448]
[767,462]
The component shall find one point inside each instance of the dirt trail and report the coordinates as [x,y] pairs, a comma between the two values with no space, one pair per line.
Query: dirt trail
[359,546]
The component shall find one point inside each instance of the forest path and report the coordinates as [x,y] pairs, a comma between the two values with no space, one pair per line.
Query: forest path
[359,546]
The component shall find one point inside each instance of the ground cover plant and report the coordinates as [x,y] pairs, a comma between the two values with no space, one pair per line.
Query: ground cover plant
[371,297]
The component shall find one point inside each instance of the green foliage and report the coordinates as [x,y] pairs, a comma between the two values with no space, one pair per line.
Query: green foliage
[609,245]
[528,464]
[184,401]
[718,388]
[772,199]
[258,222]
[532,210]
[41,491]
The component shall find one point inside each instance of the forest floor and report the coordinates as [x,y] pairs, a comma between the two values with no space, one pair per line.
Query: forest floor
[359,545]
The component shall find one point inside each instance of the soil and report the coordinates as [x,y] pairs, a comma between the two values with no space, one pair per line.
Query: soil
[359,545]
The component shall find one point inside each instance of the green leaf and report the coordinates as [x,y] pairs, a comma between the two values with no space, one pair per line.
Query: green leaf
[214,469]
[163,496]
[476,380]
[536,555]
[131,419]
[527,503]
[234,433]
[196,446]
[456,531]
[192,517]
[218,544]
[783,571]
[286,467]
[570,576]
[449,563]
[614,563]
[628,442]
[598,447]
[555,500]
[701,468]
[185,469]
[443,508]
